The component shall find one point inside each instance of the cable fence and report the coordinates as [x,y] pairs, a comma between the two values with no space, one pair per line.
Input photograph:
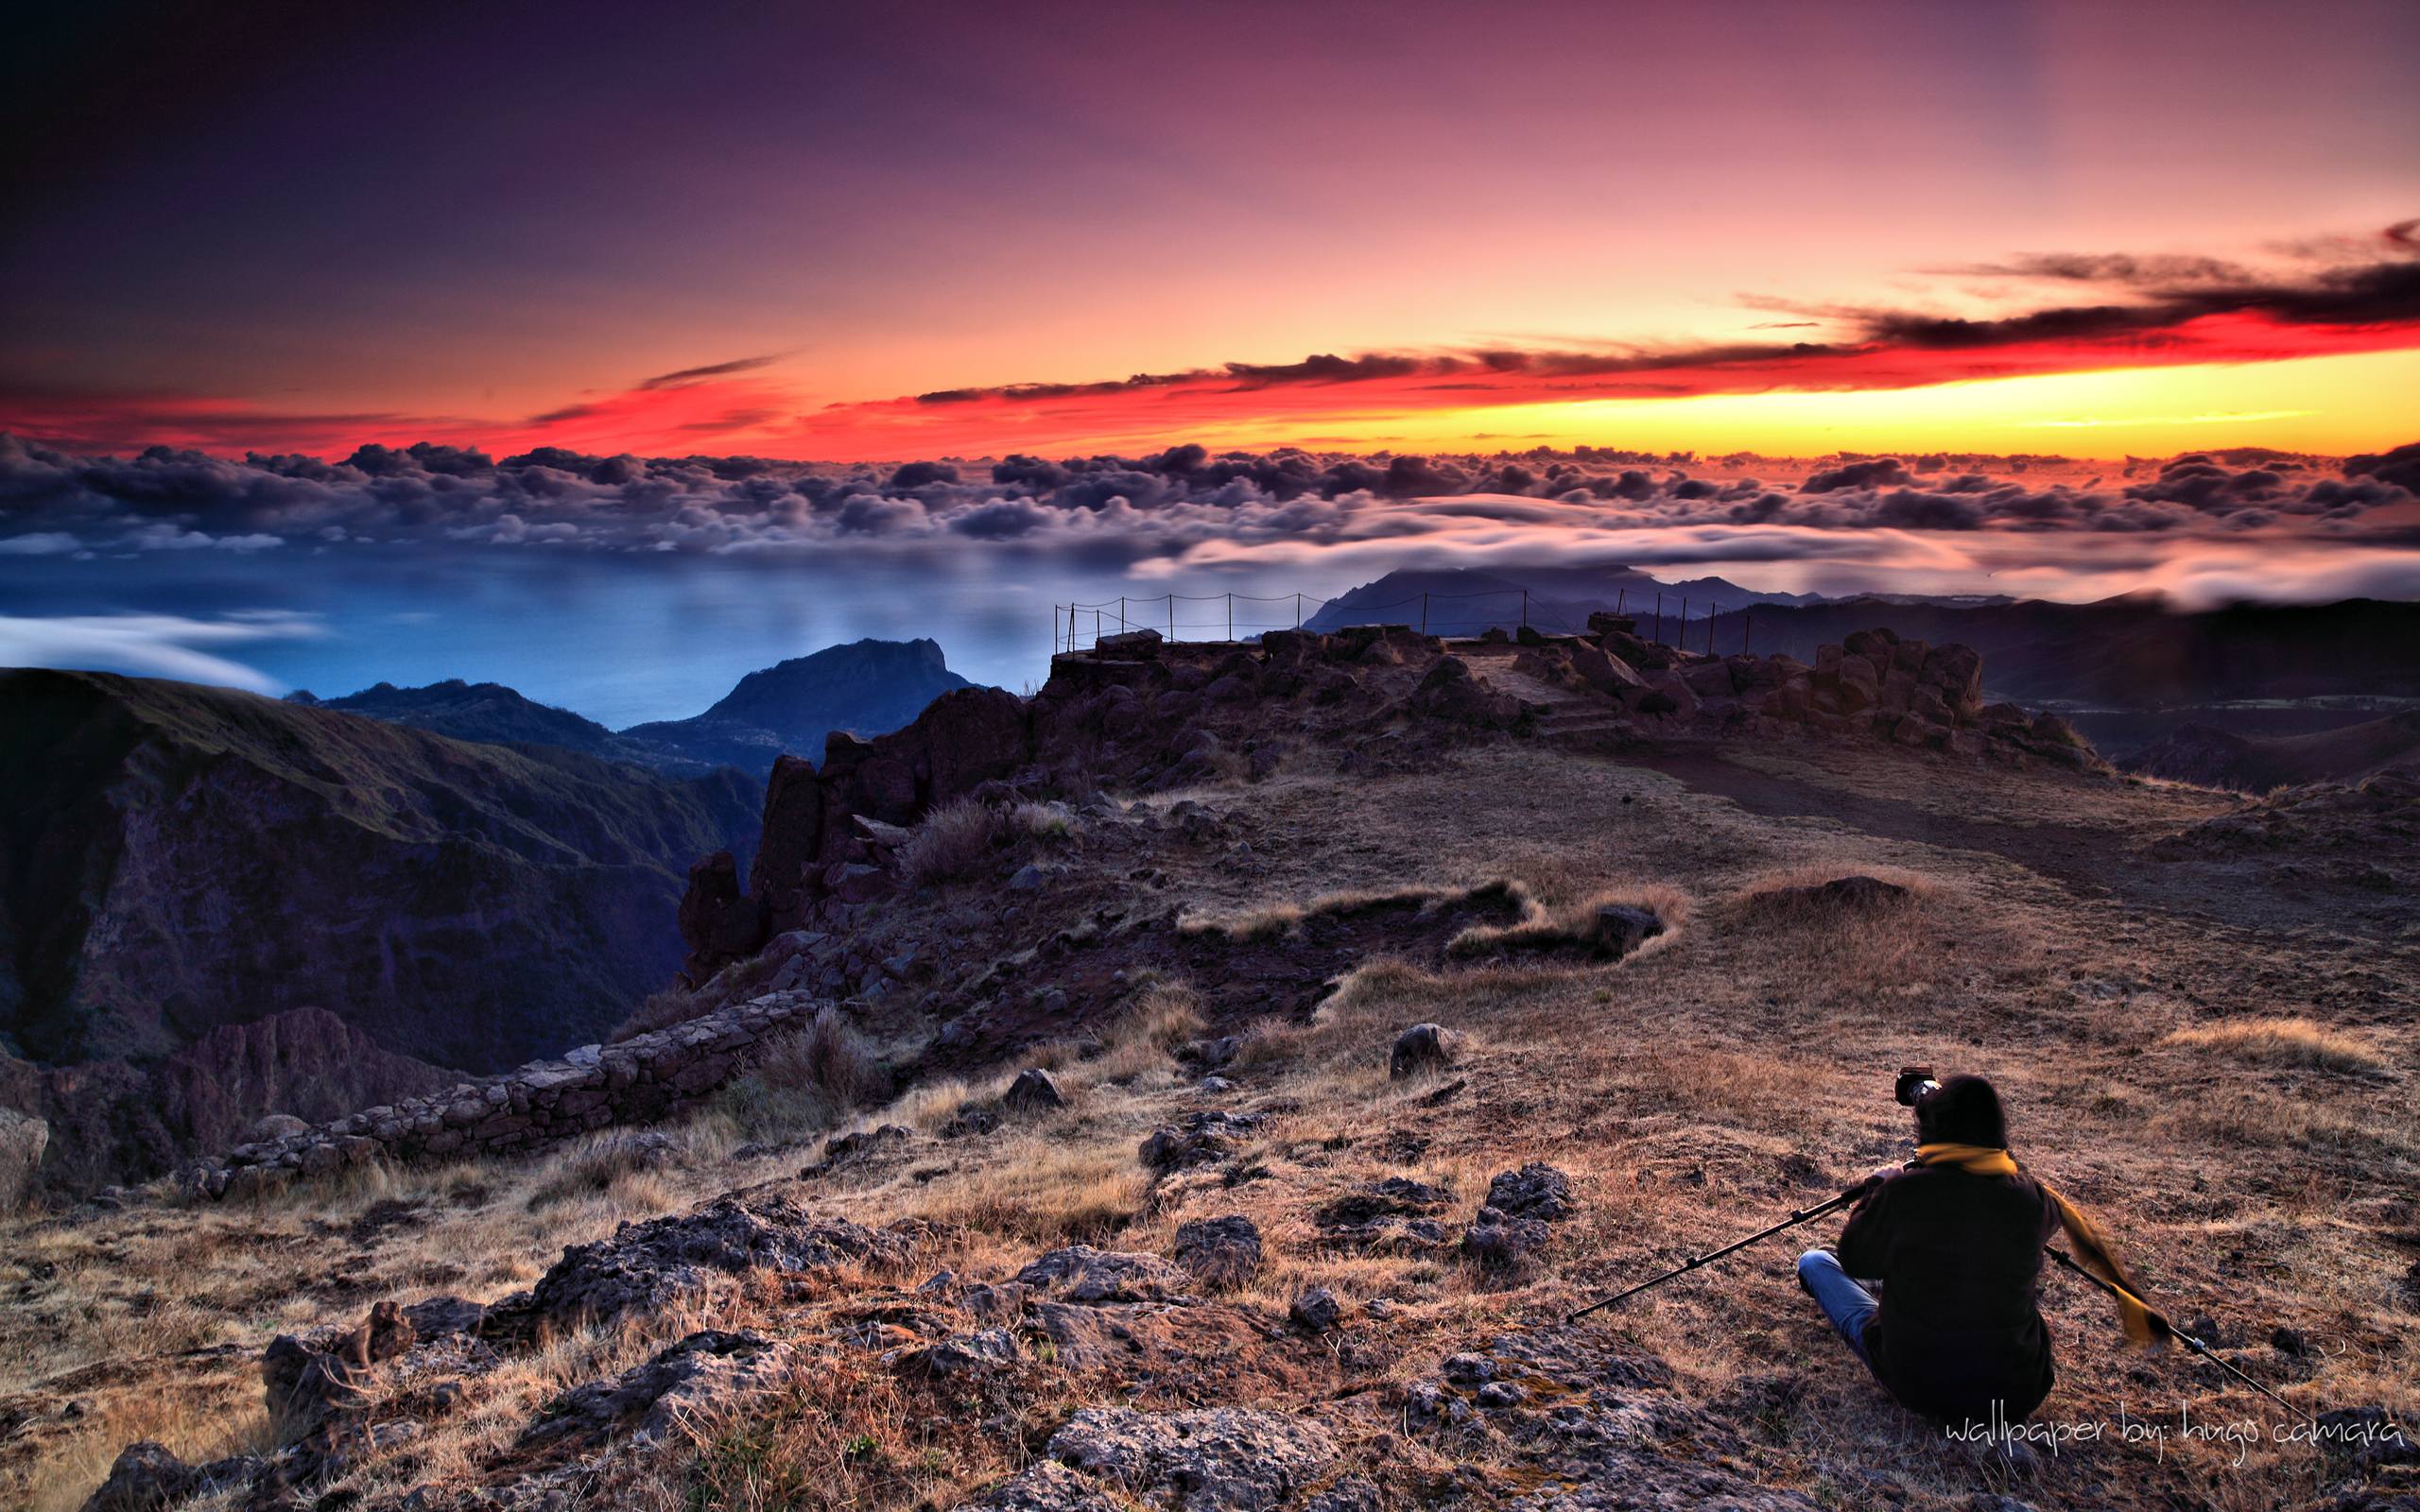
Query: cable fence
[1219,618]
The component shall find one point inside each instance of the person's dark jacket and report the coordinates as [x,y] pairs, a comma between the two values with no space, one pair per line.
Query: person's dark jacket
[1959,1259]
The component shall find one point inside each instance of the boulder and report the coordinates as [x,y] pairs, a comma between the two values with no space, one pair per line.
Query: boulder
[1217,1460]
[1131,645]
[1079,1272]
[1046,1485]
[961,1355]
[1859,686]
[23,1139]
[1424,1047]
[2050,729]
[1535,1190]
[646,1267]
[147,1478]
[1957,671]
[1219,1251]
[1710,680]
[1397,1215]
[1316,1311]
[1200,1140]
[1619,929]
[1033,1091]
[705,1369]
[1674,690]
[1501,1243]
[1603,671]
[1877,646]
[1449,692]
[270,1128]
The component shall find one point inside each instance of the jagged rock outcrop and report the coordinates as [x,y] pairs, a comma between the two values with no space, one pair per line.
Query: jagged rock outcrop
[1134,710]
[634,1081]
[1874,682]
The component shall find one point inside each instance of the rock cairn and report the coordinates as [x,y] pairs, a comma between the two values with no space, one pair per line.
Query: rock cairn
[638,1080]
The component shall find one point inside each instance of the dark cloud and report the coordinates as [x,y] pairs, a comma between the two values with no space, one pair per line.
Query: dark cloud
[1866,475]
[718,370]
[2399,468]
[2154,302]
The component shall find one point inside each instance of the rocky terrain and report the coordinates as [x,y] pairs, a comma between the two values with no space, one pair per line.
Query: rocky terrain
[220,906]
[1210,1083]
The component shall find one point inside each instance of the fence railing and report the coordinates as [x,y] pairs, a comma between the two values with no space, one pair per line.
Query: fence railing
[1233,617]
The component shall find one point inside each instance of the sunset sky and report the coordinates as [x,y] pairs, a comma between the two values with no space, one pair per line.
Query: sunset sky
[909,231]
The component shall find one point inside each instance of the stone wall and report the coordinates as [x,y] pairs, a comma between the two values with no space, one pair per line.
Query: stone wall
[639,1081]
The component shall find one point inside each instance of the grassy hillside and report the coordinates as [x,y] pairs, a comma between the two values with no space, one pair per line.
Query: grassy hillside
[2209,1048]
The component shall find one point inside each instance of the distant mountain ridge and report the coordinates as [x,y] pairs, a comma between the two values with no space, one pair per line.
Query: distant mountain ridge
[866,687]
[1464,601]
[492,713]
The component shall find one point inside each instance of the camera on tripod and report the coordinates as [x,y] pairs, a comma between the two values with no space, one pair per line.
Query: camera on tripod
[1914,1085]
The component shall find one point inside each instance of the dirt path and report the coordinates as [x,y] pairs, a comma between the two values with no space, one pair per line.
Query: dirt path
[2087,860]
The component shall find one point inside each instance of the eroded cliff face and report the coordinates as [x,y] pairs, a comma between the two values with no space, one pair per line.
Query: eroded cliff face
[181,861]
[113,1118]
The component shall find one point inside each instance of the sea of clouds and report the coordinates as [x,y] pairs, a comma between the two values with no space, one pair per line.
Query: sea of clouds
[1167,504]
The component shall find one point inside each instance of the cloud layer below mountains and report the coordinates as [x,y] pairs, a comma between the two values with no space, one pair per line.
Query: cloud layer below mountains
[2203,524]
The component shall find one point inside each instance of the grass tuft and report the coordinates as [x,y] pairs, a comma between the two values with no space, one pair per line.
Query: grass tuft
[2293,1044]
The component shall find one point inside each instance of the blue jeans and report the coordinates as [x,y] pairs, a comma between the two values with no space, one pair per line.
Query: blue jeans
[1849,1306]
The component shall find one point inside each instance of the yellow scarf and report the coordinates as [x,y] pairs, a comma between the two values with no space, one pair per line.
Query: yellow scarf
[2143,1326]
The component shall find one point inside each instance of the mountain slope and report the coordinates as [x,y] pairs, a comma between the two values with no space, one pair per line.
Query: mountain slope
[179,858]
[2137,650]
[492,713]
[1466,601]
[2215,758]
[867,687]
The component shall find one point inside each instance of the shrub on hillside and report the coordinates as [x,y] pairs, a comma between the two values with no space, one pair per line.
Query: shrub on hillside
[953,840]
[808,1078]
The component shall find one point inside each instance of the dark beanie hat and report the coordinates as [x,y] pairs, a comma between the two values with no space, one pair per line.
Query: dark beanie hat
[1966,1110]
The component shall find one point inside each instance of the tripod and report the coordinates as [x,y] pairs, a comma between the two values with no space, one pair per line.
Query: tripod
[2179,1334]
[1710,1256]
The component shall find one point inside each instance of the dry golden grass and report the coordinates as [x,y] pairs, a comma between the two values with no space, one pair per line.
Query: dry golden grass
[948,843]
[1583,925]
[1044,821]
[2295,1044]
[1271,920]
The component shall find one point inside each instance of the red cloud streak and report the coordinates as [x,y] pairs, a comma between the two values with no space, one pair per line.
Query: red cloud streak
[734,407]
